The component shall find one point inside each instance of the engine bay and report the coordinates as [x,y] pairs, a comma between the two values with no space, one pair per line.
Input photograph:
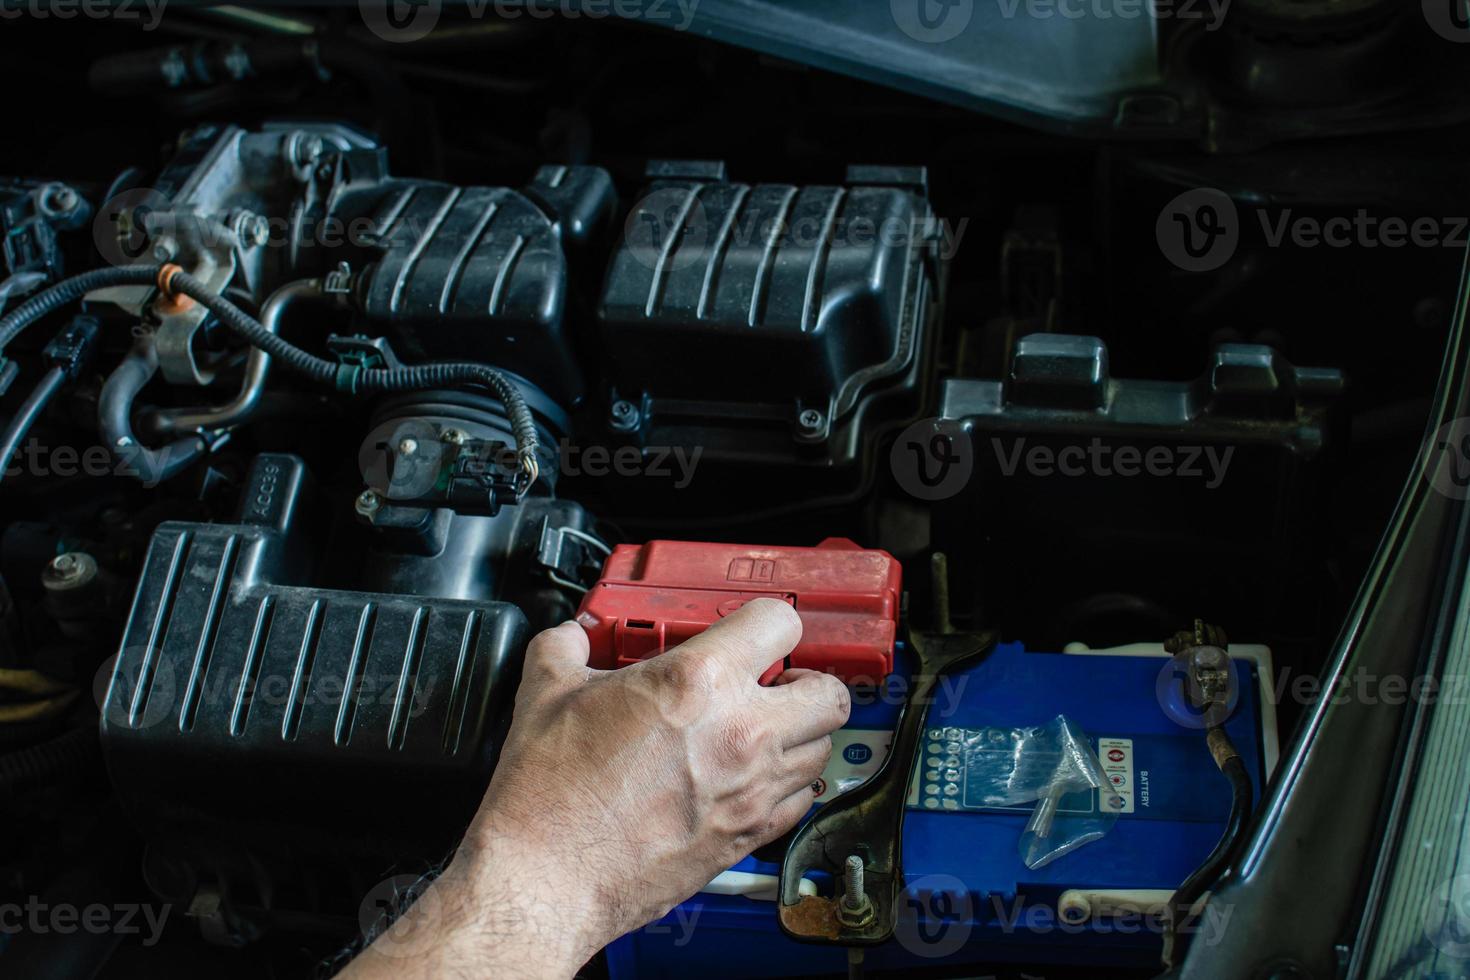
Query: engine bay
[326,387]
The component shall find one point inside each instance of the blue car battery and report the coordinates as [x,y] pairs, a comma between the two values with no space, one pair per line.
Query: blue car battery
[970,900]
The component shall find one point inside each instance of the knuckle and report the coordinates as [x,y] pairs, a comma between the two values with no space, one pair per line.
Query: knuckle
[824,752]
[741,740]
[841,697]
[690,674]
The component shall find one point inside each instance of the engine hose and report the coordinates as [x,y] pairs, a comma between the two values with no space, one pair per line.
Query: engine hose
[69,291]
[353,379]
[75,753]
[27,415]
[114,421]
[1241,802]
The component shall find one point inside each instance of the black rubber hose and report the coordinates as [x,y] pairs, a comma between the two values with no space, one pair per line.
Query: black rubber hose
[114,421]
[348,378]
[73,754]
[69,291]
[1241,803]
[354,379]
[27,415]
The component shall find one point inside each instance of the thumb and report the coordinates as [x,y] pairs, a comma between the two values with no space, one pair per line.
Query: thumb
[556,656]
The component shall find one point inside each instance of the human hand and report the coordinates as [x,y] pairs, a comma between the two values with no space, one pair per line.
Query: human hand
[619,794]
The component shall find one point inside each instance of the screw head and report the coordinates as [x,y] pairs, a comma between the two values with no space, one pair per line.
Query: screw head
[69,570]
[454,437]
[368,502]
[623,415]
[811,420]
[251,229]
[408,447]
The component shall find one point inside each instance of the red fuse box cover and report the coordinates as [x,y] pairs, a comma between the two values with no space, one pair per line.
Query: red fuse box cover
[654,596]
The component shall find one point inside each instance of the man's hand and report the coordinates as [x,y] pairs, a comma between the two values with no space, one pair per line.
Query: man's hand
[621,793]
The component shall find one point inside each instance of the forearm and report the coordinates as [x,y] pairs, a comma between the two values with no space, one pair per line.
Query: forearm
[500,909]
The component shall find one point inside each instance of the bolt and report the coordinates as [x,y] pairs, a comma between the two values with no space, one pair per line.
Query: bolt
[853,897]
[368,502]
[811,420]
[58,199]
[454,437]
[165,249]
[855,911]
[251,229]
[303,148]
[408,447]
[69,570]
[623,416]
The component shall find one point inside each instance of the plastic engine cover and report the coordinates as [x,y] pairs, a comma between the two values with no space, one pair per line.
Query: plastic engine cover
[240,691]
[654,596]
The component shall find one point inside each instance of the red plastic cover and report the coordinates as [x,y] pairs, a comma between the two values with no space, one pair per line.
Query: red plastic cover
[654,596]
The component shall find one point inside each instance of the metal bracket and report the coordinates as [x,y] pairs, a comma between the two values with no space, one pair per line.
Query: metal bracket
[868,821]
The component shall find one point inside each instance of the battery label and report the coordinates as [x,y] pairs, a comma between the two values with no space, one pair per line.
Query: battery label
[1116,755]
[856,755]
[1151,777]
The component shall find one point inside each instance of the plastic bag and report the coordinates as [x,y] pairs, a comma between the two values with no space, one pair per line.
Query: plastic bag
[1054,766]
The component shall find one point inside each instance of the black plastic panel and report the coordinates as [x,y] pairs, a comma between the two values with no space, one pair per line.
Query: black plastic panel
[746,308]
[241,692]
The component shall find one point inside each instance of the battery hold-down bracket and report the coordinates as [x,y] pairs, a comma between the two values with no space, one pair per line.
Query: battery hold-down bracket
[866,823]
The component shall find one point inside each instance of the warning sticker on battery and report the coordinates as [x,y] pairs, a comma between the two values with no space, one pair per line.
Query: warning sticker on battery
[1116,755]
[856,755]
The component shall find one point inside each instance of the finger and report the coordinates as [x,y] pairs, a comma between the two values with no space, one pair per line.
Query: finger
[804,763]
[556,654]
[749,640]
[791,674]
[812,705]
[788,813]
